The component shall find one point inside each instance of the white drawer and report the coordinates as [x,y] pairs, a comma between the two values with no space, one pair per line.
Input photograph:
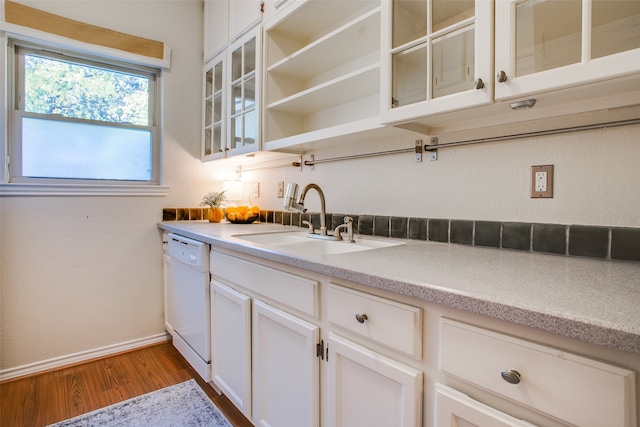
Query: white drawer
[296,292]
[568,387]
[390,323]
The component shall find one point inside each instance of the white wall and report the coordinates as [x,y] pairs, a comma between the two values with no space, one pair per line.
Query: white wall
[81,273]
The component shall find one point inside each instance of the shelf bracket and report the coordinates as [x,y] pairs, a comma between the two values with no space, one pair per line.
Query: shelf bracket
[433,151]
[418,151]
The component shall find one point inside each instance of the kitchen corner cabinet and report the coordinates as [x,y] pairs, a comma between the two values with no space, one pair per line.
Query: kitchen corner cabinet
[436,57]
[322,71]
[548,45]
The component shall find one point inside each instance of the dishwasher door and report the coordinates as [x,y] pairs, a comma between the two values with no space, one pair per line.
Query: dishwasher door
[190,303]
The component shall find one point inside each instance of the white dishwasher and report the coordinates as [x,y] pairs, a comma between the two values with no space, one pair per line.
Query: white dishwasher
[189,302]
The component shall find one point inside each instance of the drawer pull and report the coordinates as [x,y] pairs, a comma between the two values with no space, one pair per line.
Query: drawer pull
[511,376]
[361,317]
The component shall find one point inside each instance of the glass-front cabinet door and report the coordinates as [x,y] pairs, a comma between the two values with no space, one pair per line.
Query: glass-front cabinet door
[436,57]
[243,90]
[544,45]
[213,144]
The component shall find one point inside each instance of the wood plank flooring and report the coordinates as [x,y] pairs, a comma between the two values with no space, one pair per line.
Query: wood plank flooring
[53,396]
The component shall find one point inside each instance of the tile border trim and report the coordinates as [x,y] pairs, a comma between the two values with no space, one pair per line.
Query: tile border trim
[601,242]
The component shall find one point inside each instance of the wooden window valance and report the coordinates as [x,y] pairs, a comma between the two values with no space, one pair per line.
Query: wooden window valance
[25,16]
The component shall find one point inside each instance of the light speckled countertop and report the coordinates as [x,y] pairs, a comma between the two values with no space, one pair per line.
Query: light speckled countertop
[591,300]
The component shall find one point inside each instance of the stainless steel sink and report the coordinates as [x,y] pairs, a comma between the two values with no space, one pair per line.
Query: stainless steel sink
[297,241]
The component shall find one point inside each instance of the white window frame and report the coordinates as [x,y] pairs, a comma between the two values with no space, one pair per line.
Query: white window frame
[12,184]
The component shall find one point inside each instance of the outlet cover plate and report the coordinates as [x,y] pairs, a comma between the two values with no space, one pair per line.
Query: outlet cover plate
[547,189]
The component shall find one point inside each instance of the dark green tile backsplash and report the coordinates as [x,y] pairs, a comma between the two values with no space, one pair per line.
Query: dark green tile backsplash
[616,243]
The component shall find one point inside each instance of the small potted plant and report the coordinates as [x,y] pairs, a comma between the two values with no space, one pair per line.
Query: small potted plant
[214,200]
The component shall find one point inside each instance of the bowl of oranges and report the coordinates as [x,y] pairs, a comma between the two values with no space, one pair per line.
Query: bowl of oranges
[242,214]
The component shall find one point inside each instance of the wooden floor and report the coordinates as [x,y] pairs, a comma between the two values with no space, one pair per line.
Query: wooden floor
[54,396]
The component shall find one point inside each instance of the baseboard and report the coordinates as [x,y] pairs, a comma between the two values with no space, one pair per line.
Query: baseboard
[83,356]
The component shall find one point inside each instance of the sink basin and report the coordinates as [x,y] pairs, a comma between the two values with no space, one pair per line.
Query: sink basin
[298,242]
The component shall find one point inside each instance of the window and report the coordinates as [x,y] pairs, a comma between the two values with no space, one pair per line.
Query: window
[77,119]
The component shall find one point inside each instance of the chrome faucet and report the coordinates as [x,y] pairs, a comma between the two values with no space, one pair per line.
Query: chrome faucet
[290,204]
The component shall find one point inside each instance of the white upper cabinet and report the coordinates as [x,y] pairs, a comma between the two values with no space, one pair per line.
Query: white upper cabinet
[555,44]
[227,20]
[216,27]
[436,57]
[322,65]
[213,120]
[243,16]
[243,124]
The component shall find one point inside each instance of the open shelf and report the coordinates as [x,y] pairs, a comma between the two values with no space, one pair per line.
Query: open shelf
[322,72]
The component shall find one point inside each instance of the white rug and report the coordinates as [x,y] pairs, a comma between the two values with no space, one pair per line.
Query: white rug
[184,404]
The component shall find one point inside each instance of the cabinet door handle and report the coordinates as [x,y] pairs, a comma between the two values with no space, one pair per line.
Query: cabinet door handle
[511,376]
[478,83]
[501,76]
[361,317]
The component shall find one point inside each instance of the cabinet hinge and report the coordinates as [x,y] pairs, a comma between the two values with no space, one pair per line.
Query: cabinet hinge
[320,349]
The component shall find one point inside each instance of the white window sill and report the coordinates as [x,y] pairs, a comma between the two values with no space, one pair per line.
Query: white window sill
[20,189]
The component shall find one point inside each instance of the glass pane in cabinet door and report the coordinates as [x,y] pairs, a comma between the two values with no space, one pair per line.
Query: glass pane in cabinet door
[249,56]
[453,62]
[236,64]
[548,35]
[236,101]
[410,76]
[208,113]
[250,94]
[207,142]
[446,12]
[217,82]
[250,128]
[217,108]
[208,83]
[216,145]
[615,27]
[235,138]
[409,21]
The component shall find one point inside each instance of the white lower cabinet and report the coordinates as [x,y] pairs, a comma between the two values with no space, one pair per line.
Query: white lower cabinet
[286,380]
[297,348]
[264,357]
[455,409]
[572,389]
[231,346]
[368,389]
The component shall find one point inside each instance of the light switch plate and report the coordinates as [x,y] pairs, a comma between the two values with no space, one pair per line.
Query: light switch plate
[541,181]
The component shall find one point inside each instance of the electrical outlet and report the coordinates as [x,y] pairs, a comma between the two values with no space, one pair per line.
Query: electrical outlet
[280,189]
[541,181]
[255,190]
